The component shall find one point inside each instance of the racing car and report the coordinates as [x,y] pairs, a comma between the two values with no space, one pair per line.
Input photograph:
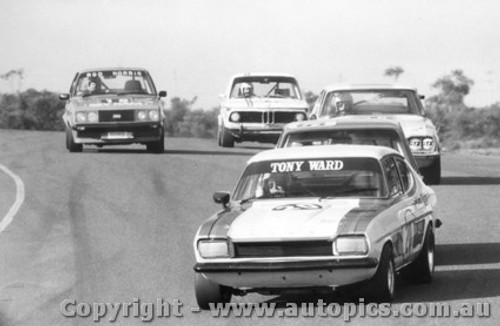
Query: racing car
[318,218]
[114,106]
[360,130]
[256,106]
[397,102]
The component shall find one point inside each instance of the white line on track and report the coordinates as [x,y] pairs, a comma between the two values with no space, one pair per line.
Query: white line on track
[19,198]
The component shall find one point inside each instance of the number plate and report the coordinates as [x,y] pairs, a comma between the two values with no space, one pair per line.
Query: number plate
[118,135]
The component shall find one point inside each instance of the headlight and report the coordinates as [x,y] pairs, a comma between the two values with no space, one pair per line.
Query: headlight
[428,144]
[300,117]
[153,115]
[213,249]
[415,144]
[234,117]
[351,245]
[142,115]
[92,116]
[81,117]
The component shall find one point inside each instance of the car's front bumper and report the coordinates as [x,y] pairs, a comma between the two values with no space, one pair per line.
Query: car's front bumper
[259,275]
[103,133]
[255,131]
[425,160]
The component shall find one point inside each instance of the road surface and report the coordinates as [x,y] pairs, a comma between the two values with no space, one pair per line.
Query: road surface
[116,225]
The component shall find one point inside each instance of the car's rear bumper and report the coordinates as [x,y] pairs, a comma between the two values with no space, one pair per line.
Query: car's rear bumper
[250,275]
[109,133]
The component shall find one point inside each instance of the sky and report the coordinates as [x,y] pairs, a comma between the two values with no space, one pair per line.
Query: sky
[193,47]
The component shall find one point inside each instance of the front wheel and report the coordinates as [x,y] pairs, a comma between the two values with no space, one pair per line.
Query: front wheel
[422,269]
[157,146]
[384,282]
[432,174]
[209,292]
[70,142]
[227,139]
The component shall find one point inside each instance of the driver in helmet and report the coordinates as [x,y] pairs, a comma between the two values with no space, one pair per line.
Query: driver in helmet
[246,90]
[93,86]
[341,104]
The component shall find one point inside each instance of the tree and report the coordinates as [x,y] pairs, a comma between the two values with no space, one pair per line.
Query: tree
[11,77]
[310,99]
[394,72]
[452,89]
[445,107]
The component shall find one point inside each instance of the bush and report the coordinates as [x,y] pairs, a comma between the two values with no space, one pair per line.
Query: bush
[31,110]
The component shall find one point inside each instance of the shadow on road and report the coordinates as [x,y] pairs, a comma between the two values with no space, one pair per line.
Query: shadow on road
[199,152]
[171,151]
[467,254]
[469,181]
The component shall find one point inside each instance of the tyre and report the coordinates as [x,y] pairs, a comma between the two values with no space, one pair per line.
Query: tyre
[383,283]
[157,146]
[219,137]
[70,142]
[422,269]
[209,292]
[432,174]
[227,139]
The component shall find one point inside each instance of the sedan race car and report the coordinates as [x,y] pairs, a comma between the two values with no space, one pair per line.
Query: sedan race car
[114,106]
[256,106]
[397,102]
[357,130]
[318,218]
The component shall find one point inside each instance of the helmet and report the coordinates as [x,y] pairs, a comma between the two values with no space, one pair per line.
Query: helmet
[246,89]
[342,102]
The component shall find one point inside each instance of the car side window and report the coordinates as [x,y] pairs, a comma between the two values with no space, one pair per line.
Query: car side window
[317,106]
[391,173]
[405,175]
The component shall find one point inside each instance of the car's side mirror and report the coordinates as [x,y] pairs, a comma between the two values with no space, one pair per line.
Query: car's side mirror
[64,96]
[222,197]
[422,97]
[162,94]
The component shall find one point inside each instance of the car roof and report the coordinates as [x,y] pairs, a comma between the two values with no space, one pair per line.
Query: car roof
[354,122]
[360,87]
[333,151]
[262,74]
[110,68]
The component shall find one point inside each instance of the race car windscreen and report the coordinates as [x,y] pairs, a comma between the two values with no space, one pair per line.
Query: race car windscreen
[265,87]
[378,137]
[117,82]
[322,177]
[372,102]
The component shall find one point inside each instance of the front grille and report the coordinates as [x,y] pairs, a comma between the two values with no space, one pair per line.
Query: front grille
[267,117]
[116,115]
[284,117]
[250,117]
[283,249]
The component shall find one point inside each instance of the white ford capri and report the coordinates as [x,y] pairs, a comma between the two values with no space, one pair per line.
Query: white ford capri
[318,218]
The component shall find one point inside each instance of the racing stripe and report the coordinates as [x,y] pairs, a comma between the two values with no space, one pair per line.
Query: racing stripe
[220,227]
[358,218]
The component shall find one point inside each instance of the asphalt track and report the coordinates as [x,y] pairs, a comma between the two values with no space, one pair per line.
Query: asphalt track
[115,224]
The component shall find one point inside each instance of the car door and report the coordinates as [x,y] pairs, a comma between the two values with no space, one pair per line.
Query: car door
[403,207]
[416,212]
